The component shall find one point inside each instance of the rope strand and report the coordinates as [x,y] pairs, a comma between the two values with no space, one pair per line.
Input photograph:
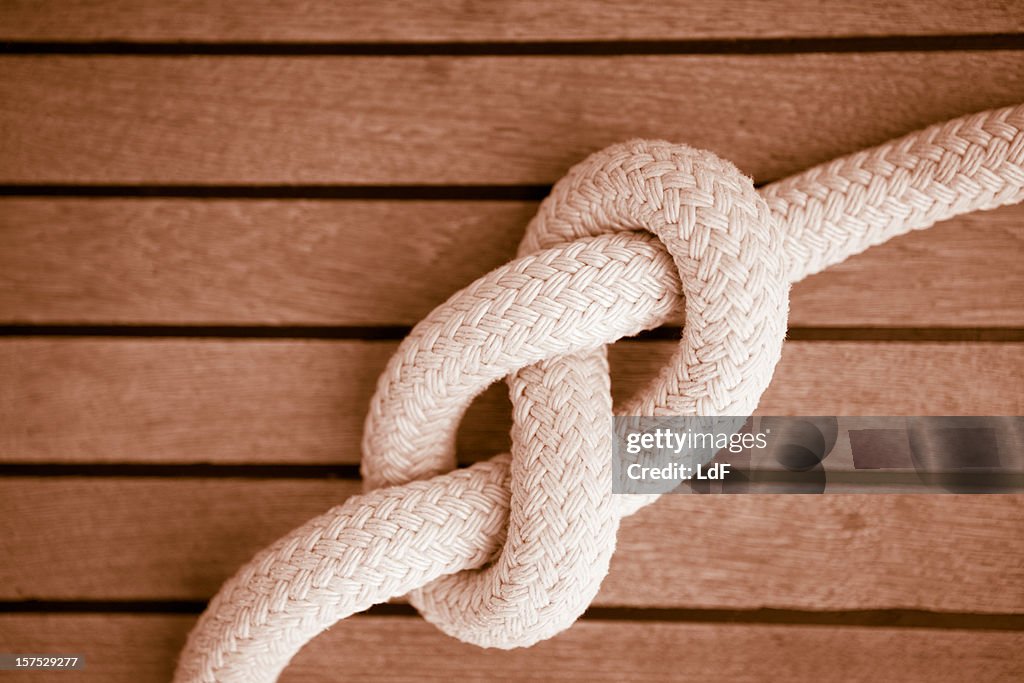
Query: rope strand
[511,551]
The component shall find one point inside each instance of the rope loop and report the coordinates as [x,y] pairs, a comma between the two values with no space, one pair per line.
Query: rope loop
[512,550]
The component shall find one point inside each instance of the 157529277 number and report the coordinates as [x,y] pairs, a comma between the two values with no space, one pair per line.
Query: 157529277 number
[10,662]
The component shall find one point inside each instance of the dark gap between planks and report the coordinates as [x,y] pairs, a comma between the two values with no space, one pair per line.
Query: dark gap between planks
[871,618]
[482,193]
[554,48]
[399,332]
[350,472]
[183,470]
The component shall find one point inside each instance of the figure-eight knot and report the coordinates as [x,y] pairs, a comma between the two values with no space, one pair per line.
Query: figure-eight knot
[511,551]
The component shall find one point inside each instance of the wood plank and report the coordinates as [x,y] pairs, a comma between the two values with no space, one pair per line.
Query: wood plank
[461,120]
[129,648]
[177,261]
[179,539]
[116,647]
[365,21]
[245,401]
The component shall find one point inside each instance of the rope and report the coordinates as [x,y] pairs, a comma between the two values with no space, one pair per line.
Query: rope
[511,551]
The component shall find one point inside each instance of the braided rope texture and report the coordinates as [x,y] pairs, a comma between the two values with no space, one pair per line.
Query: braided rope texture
[512,550]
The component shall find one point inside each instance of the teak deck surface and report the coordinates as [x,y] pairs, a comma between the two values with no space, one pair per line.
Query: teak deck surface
[216,223]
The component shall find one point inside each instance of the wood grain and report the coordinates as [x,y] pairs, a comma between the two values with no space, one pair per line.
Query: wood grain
[130,648]
[179,539]
[242,401]
[463,120]
[343,121]
[178,261]
[477,20]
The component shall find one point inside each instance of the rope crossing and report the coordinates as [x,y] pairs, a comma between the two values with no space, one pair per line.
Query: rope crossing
[511,551]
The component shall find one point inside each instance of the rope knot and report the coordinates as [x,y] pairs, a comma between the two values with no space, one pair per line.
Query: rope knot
[512,550]
[554,309]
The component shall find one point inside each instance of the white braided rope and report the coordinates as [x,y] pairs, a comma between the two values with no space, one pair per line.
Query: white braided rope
[512,550]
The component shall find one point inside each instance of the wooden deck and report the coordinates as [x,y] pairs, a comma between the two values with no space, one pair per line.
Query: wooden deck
[217,222]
